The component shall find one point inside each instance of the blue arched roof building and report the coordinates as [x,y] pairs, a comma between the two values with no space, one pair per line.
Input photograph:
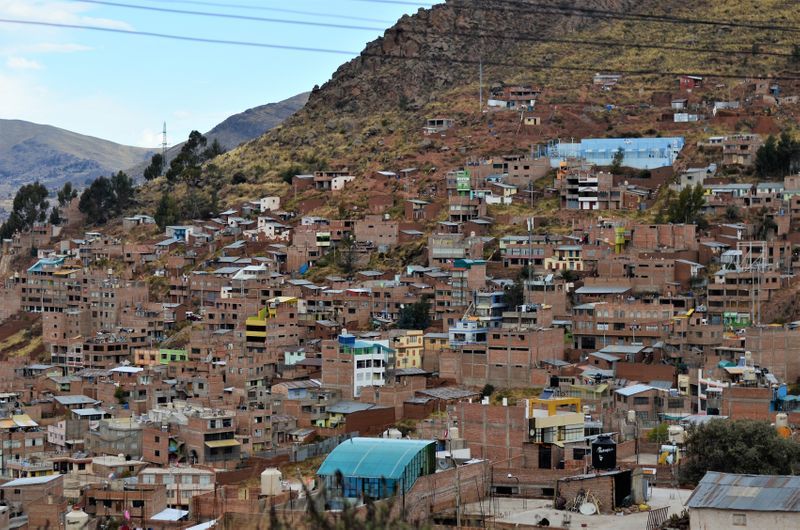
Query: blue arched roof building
[377,467]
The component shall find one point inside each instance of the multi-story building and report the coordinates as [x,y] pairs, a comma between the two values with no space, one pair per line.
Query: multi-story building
[740,149]
[210,438]
[408,345]
[596,325]
[350,364]
[739,296]
[181,483]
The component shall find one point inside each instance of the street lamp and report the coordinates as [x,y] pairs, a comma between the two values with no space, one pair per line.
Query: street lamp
[519,491]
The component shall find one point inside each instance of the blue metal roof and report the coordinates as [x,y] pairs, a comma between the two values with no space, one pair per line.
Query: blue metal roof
[46,262]
[372,457]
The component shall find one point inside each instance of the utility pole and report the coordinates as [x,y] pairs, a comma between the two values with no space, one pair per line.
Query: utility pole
[480,84]
[458,496]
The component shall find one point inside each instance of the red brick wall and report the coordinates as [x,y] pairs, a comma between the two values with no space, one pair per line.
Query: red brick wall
[645,372]
[601,487]
[437,492]
[493,432]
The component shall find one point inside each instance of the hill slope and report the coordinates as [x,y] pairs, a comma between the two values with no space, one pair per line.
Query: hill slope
[29,151]
[369,115]
[254,122]
[242,127]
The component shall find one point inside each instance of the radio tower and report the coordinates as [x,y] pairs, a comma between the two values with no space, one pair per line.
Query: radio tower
[164,142]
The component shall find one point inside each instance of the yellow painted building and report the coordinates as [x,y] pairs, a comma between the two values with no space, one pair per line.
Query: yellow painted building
[408,345]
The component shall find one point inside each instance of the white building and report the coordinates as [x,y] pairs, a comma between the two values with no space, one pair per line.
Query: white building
[267,204]
[370,360]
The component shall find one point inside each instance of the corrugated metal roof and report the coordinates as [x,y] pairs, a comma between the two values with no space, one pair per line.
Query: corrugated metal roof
[633,390]
[762,493]
[602,289]
[30,481]
[605,356]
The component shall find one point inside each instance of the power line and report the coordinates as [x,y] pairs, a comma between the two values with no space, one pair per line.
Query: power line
[542,8]
[273,9]
[619,15]
[496,36]
[231,16]
[175,37]
[430,59]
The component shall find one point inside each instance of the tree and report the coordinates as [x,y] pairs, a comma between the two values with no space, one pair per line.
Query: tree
[155,168]
[370,516]
[616,161]
[186,166]
[167,211]
[514,294]
[777,157]
[744,446]
[29,207]
[416,315]
[214,150]
[124,190]
[765,225]
[347,254]
[732,214]
[687,207]
[105,197]
[55,217]
[66,194]
[97,201]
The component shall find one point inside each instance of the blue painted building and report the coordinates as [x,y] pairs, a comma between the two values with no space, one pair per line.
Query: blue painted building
[640,153]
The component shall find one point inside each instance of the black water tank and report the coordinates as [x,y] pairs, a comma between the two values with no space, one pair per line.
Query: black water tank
[604,453]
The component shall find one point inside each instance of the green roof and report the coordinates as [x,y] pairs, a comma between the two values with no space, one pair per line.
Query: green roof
[372,457]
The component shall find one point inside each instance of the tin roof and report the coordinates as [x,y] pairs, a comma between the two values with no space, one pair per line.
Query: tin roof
[764,493]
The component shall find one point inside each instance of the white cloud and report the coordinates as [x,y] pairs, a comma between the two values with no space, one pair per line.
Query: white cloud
[19,95]
[56,12]
[21,63]
[149,138]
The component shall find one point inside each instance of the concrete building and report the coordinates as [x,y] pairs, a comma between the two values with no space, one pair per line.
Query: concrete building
[351,364]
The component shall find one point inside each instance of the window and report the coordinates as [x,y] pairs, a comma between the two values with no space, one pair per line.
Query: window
[641,401]
[739,519]
[138,504]
[148,479]
[157,453]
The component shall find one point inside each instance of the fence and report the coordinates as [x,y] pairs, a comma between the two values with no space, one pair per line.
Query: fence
[657,517]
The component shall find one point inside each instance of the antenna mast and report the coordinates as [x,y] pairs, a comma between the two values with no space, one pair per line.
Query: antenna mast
[164,142]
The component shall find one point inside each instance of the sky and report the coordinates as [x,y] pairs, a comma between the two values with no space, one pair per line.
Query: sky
[122,87]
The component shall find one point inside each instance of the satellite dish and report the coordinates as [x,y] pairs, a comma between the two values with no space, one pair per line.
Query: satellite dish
[588,508]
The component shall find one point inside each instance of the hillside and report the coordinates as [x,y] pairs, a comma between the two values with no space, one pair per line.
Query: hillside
[242,127]
[254,122]
[29,152]
[369,115]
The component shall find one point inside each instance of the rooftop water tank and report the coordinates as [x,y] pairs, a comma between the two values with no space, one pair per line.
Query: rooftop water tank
[77,519]
[270,482]
[604,453]
[676,434]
